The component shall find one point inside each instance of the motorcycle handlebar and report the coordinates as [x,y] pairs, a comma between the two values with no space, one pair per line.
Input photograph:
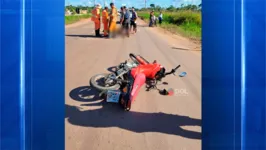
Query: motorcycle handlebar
[177,67]
[172,71]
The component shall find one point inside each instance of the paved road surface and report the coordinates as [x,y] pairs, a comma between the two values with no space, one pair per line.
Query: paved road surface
[155,122]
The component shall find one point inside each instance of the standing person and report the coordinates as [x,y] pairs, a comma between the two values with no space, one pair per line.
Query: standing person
[121,13]
[125,20]
[120,20]
[105,20]
[96,18]
[160,17]
[155,20]
[133,21]
[152,17]
[112,21]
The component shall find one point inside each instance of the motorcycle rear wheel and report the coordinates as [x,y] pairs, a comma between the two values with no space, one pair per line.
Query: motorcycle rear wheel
[93,83]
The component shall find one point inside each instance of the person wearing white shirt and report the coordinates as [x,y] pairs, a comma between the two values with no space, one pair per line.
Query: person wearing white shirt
[160,18]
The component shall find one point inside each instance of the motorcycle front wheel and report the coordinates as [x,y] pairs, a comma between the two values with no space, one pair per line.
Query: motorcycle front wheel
[134,58]
[98,82]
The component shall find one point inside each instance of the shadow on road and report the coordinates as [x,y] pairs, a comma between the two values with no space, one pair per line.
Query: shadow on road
[111,115]
[84,94]
[83,36]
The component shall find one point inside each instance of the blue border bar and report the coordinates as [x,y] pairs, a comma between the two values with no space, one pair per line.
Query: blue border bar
[243,76]
[22,75]
[233,75]
[32,75]
[10,37]
[255,37]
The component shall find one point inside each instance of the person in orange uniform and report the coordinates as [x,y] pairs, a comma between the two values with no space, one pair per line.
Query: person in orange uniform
[113,19]
[96,18]
[105,20]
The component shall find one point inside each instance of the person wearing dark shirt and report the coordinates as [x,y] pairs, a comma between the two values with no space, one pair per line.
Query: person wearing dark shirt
[152,19]
[160,18]
[133,22]
[125,20]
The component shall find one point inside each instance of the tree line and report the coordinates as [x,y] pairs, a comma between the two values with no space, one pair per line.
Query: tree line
[173,8]
[74,9]
[154,7]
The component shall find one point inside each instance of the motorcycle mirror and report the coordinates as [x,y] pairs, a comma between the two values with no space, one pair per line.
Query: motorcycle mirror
[182,74]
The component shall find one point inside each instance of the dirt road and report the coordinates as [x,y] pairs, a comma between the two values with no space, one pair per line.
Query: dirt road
[155,122]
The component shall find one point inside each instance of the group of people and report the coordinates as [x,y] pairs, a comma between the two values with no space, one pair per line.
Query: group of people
[128,20]
[110,19]
[153,19]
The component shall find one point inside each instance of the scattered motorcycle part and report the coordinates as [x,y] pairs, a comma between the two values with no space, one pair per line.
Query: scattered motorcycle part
[165,83]
[182,74]
[163,92]
[170,92]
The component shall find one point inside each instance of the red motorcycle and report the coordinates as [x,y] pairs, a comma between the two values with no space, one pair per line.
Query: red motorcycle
[123,85]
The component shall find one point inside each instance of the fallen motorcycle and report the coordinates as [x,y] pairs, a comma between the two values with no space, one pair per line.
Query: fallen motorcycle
[123,85]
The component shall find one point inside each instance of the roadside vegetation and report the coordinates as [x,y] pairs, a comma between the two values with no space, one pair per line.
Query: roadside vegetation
[76,13]
[75,18]
[184,20]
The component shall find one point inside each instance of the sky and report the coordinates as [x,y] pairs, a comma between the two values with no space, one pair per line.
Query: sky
[133,3]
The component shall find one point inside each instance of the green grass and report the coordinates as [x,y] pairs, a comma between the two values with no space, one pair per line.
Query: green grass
[186,23]
[75,18]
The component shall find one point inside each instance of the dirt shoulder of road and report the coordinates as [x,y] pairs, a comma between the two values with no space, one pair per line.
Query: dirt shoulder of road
[80,22]
[176,39]
[181,38]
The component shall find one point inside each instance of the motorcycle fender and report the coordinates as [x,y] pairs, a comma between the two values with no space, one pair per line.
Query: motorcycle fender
[140,79]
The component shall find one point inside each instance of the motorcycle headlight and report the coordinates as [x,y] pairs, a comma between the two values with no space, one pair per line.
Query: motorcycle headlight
[160,74]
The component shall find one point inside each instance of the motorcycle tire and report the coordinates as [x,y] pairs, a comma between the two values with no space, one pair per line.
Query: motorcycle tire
[94,84]
[134,58]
